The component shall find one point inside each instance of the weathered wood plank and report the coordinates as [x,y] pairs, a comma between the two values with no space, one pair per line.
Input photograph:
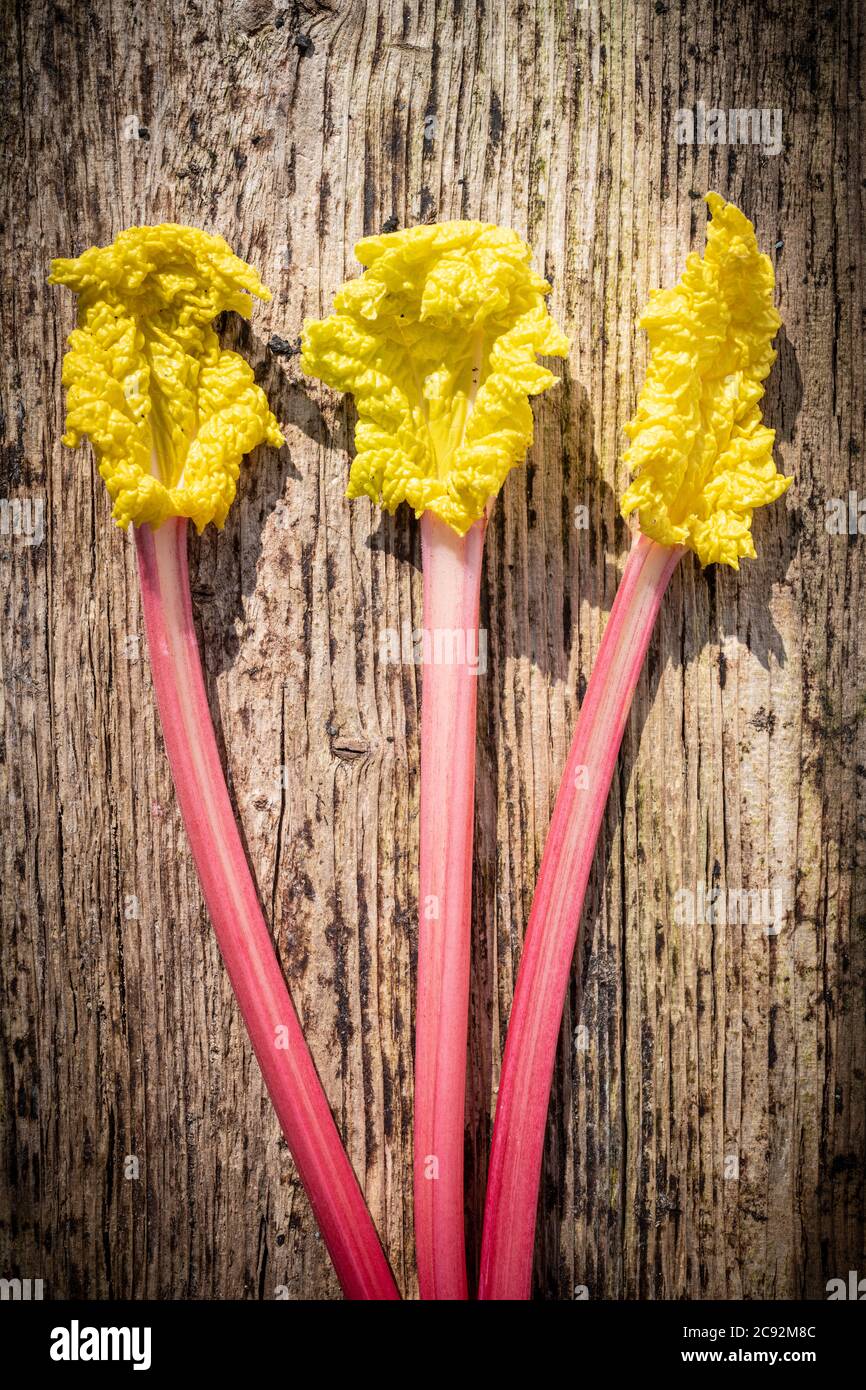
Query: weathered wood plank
[707,1130]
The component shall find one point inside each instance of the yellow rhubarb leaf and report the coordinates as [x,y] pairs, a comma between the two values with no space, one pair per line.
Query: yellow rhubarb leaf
[700,456]
[438,342]
[170,413]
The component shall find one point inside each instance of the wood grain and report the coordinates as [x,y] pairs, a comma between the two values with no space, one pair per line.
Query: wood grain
[708,1123]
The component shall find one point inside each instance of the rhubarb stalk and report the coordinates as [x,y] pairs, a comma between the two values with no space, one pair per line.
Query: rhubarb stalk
[702,460]
[170,414]
[452,582]
[438,342]
[548,949]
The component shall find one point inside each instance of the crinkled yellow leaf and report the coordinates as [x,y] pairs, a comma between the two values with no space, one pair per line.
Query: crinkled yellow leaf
[438,342]
[700,455]
[169,412]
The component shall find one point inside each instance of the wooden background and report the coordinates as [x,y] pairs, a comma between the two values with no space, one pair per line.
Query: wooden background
[293,129]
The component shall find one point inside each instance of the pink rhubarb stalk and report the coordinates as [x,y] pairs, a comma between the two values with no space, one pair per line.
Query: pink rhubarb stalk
[545,967]
[701,461]
[243,937]
[452,579]
[438,340]
[171,413]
